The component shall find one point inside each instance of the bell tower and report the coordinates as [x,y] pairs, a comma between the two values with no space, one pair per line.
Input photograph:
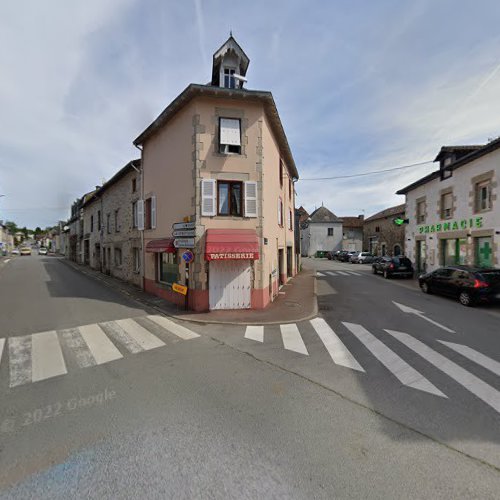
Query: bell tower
[230,65]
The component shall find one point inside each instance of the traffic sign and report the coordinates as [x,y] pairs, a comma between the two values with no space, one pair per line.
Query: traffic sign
[184,243]
[180,288]
[187,256]
[190,233]
[183,225]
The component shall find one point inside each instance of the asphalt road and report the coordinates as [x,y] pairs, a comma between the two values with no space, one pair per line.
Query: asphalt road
[219,415]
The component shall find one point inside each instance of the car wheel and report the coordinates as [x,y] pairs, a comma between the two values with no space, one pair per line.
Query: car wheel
[465,299]
[374,270]
[425,288]
[386,275]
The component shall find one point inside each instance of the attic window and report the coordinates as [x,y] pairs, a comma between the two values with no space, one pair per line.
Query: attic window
[229,135]
[229,80]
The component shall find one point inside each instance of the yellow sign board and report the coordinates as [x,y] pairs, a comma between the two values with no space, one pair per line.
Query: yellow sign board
[180,288]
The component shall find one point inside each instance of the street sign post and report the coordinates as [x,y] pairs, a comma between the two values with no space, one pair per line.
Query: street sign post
[180,233]
[187,256]
[184,243]
[180,226]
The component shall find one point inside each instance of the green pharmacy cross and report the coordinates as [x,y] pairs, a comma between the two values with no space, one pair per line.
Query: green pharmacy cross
[485,254]
[400,222]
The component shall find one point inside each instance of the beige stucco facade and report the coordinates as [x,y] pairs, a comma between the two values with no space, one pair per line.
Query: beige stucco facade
[184,152]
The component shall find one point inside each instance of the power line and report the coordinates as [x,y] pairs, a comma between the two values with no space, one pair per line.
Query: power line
[368,173]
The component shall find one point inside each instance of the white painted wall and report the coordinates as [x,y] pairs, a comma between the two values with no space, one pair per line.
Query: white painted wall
[315,238]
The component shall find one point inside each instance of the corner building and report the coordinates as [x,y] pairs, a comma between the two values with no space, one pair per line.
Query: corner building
[454,215]
[218,160]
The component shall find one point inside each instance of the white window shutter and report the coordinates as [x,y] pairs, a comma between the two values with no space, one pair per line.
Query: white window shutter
[140,215]
[208,197]
[250,199]
[153,212]
[230,132]
[279,212]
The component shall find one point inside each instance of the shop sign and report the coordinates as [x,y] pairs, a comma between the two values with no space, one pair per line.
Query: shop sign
[184,233]
[180,288]
[455,225]
[179,226]
[232,256]
[184,243]
[187,256]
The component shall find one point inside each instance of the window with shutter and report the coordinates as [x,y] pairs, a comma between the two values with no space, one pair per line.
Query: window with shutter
[250,199]
[140,215]
[153,212]
[280,212]
[208,197]
[229,135]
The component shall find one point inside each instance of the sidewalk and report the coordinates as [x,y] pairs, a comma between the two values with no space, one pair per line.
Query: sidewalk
[297,301]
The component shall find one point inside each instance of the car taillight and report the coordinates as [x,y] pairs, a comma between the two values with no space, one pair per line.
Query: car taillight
[391,266]
[480,284]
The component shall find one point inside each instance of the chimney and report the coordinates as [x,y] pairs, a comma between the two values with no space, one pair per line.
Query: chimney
[362,217]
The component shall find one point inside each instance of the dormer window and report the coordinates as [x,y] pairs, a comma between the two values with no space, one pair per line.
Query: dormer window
[229,79]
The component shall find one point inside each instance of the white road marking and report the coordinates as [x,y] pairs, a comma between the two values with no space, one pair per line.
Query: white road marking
[477,357]
[420,314]
[20,360]
[397,366]
[46,356]
[353,272]
[72,339]
[7,260]
[143,337]
[117,333]
[255,333]
[100,346]
[319,274]
[292,339]
[2,342]
[176,329]
[472,383]
[335,347]
[330,273]
[343,273]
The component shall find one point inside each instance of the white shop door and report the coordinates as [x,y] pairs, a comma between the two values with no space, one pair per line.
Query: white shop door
[229,286]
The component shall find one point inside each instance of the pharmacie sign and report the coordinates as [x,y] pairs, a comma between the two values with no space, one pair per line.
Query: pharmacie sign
[455,225]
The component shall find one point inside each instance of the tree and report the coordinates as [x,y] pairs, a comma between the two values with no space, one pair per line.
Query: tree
[11,227]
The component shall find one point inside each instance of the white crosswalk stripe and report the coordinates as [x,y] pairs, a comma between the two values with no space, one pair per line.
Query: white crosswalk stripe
[477,357]
[2,342]
[74,342]
[175,328]
[473,384]
[343,273]
[337,350]
[46,356]
[354,273]
[397,366]
[142,336]
[100,346]
[319,274]
[20,360]
[292,339]
[255,333]
[331,273]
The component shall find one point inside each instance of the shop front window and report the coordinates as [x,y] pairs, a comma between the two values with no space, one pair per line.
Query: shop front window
[453,251]
[168,268]
[484,251]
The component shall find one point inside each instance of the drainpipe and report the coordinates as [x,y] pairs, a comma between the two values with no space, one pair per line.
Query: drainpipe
[143,252]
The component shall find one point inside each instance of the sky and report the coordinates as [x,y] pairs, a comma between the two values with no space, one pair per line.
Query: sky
[360,86]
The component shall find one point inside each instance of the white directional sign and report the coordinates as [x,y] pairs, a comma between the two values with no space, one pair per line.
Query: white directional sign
[184,243]
[183,226]
[184,234]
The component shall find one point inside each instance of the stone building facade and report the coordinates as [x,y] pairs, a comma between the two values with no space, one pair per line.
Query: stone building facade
[111,239]
[454,215]
[381,236]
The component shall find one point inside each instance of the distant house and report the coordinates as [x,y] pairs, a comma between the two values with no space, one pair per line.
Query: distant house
[352,233]
[381,235]
[322,233]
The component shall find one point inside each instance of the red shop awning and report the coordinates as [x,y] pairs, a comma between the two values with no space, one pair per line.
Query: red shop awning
[231,244]
[164,245]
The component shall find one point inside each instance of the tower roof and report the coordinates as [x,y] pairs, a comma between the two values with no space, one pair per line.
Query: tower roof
[229,46]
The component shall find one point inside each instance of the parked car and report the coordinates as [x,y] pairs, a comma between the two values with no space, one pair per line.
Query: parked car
[468,284]
[345,256]
[25,251]
[353,259]
[15,251]
[365,258]
[393,266]
[42,251]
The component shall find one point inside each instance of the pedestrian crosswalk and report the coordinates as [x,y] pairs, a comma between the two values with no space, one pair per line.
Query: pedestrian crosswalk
[293,335]
[44,355]
[322,274]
